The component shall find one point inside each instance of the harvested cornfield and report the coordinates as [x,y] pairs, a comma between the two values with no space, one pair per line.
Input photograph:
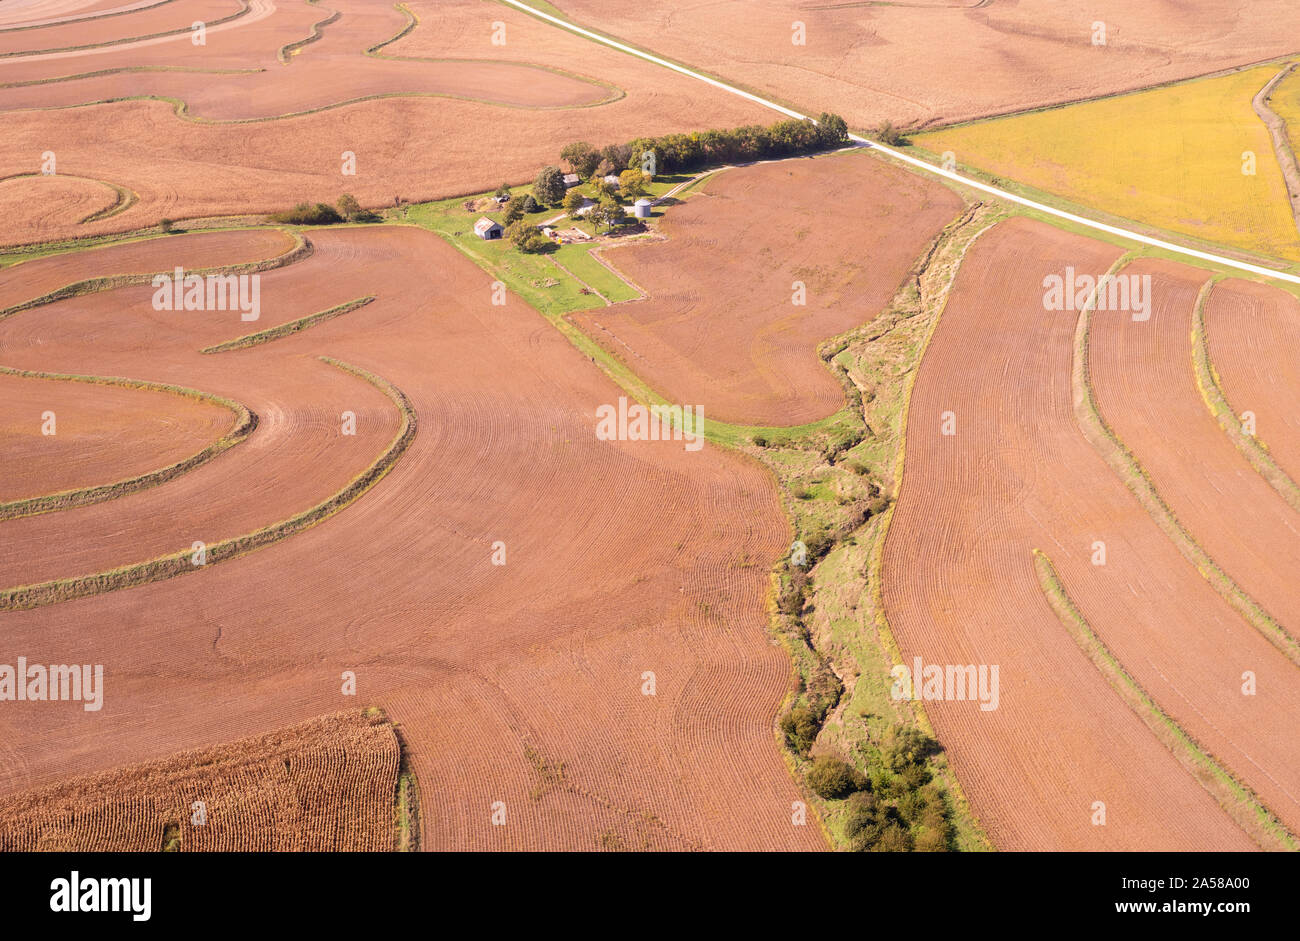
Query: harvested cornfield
[49,206]
[939,61]
[325,785]
[1183,164]
[740,338]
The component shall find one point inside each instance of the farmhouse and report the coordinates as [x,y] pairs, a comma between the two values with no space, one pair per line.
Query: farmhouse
[571,180]
[612,180]
[488,230]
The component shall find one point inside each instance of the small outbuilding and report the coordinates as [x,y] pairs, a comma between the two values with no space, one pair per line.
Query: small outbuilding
[612,180]
[642,208]
[571,180]
[488,230]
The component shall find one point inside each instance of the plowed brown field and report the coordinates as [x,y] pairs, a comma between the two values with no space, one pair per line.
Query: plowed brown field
[939,63]
[1146,390]
[518,683]
[325,785]
[720,329]
[40,276]
[437,119]
[21,14]
[179,15]
[100,437]
[960,588]
[326,72]
[45,207]
[1253,333]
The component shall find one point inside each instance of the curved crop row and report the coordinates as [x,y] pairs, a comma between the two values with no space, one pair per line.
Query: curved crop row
[181,563]
[245,423]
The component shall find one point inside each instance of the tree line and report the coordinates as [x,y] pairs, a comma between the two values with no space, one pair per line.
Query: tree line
[673,153]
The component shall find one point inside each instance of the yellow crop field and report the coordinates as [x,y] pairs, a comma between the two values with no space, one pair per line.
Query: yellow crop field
[1286,105]
[1171,157]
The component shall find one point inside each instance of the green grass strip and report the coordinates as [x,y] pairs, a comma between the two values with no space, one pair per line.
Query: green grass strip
[1237,800]
[285,329]
[1117,455]
[180,563]
[245,422]
[317,31]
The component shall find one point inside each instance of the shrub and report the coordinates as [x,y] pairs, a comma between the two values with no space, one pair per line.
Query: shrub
[760,441]
[934,841]
[800,727]
[531,205]
[307,214]
[514,211]
[834,779]
[888,134]
[791,599]
[863,822]
[892,839]
[906,747]
[818,543]
[573,201]
[348,206]
[167,225]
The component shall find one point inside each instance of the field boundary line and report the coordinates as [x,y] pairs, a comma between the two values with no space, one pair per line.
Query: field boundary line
[1207,382]
[920,164]
[933,128]
[289,49]
[288,328]
[245,424]
[1237,799]
[1281,143]
[1120,459]
[180,563]
[876,558]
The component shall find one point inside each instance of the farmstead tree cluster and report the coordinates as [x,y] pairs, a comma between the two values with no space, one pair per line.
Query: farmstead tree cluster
[697,149]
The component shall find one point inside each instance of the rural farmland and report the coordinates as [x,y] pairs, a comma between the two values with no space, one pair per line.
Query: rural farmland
[511,426]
